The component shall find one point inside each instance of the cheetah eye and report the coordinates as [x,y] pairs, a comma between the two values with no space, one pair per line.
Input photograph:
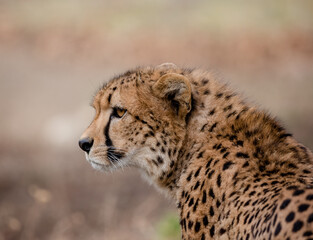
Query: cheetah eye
[118,112]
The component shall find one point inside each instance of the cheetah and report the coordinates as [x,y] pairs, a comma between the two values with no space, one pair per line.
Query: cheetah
[233,171]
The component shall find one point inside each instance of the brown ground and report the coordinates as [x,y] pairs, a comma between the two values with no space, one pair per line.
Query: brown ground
[49,71]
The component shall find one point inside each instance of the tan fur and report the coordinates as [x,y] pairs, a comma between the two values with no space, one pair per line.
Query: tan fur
[233,170]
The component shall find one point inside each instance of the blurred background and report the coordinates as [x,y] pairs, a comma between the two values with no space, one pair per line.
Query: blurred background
[55,54]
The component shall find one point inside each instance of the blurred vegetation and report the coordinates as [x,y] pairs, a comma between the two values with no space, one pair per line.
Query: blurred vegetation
[168,227]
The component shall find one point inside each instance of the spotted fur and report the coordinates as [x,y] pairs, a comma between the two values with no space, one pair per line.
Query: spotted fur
[233,171]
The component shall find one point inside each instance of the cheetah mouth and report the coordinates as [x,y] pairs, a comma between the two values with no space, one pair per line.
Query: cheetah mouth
[97,165]
[113,155]
[107,160]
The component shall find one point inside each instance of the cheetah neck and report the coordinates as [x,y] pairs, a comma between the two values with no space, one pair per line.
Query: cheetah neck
[224,133]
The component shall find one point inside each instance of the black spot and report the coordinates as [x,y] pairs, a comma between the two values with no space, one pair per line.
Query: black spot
[196,185]
[170,174]
[204,196]
[246,188]
[290,217]
[231,114]
[227,97]
[252,193]
[219,180]
[291,187]
[163,150]
[205,81]
[203,236]
[227,165]
[212,231]
[242,155]
[189,177]
[298,192]
[217,146]
[197,172]
[232,137]
[211,211]
[210,174]
[160,159]
[174,152]
[275,219]
[205,221]
[227,108]
[246,164]
[297,226]
[200,155]
[285,135]
[310,218]
[183,194]
[248,134]
[285,204]
[274,182]
[211,193]
[222,231]
[212,127]
[212,112]
[195,206]
[203,127]
[292,165]
[223,150]
[190,224]
[251,218]
[197,226]
[239,143]
[278,229]
[246,219]
[287,174]
[226,154]
[309,197]
[219,95]
[303,207]
[248,236]
[190,202]
[307,233]
[206,92]
[172,164]
[261,168]
[209,163]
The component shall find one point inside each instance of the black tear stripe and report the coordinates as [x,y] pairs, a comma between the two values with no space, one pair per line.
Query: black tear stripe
[108,142]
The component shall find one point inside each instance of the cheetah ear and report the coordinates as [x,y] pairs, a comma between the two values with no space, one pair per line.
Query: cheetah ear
[166,66]
[177,89]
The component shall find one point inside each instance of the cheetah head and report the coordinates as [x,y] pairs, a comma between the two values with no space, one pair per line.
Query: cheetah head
[140,121]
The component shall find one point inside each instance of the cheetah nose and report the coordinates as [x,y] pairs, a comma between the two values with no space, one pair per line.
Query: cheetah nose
[86,144]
